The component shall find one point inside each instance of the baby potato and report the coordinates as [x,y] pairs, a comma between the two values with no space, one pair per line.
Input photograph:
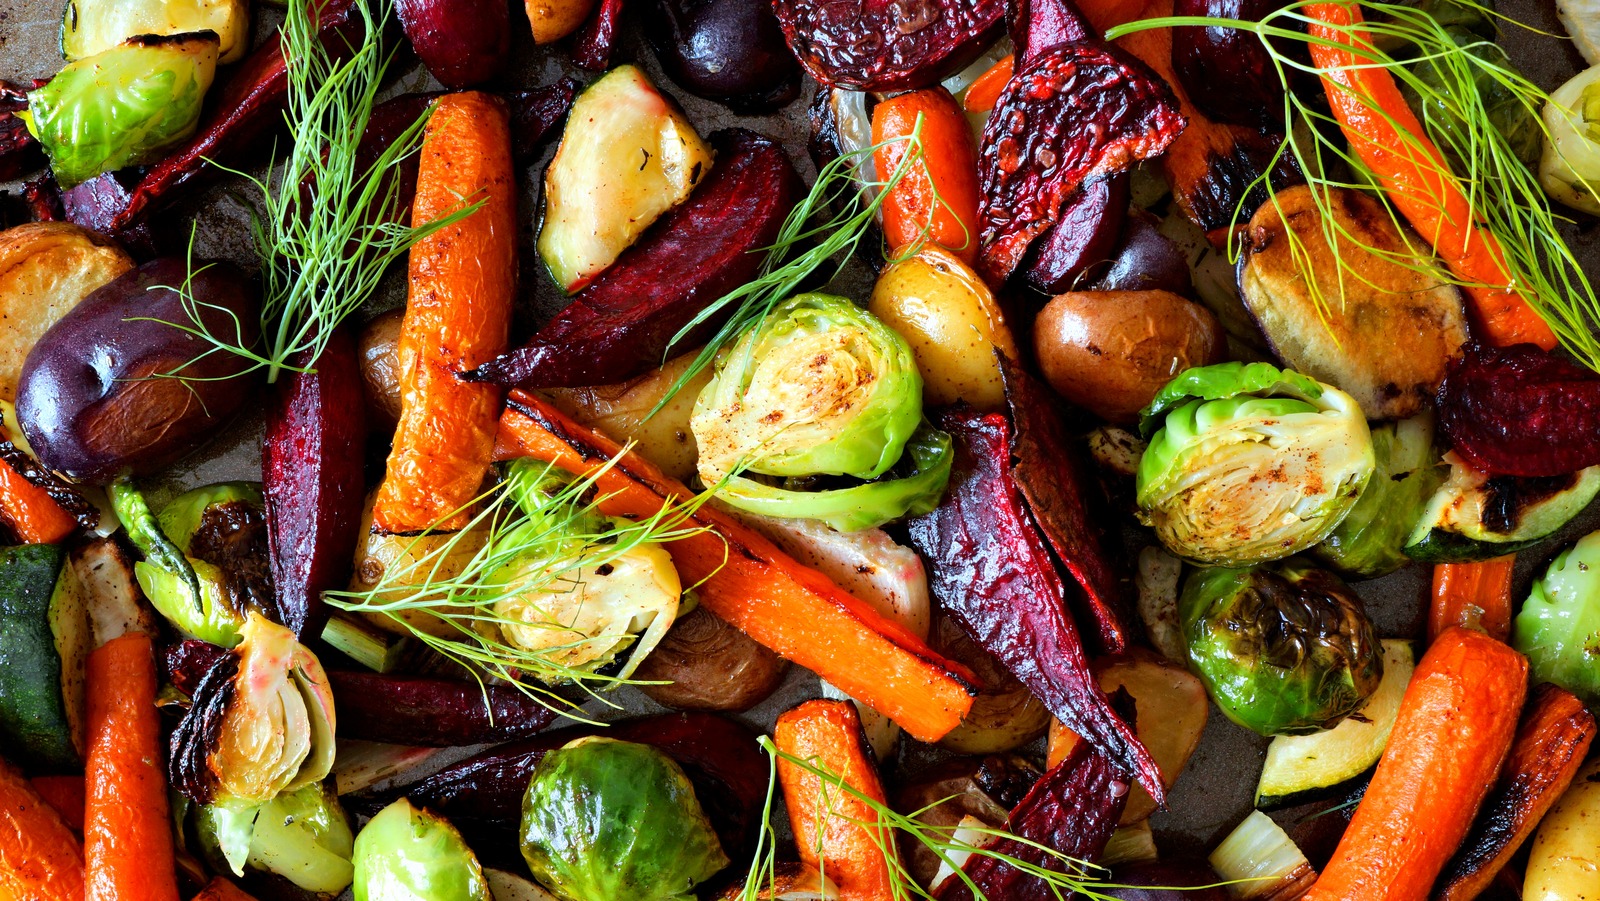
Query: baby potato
[1111,351]
[380,366]
[408,560]
[953,324]
[620,411]
[1564,864]
[553,20]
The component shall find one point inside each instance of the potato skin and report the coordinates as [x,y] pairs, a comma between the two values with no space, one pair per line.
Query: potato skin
[623,412]
[1111,351]
[380,367]
[46,269]
[92,400]
[953,324]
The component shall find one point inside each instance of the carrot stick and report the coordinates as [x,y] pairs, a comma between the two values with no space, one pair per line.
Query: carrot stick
[1454,728]
[30,510]
[940,196]
[458,317]
[40,859]
[828,828]
[1387,137]
[64,794]
[745,579]
[127,831]
[984,93]
[219,889]
[1475,595]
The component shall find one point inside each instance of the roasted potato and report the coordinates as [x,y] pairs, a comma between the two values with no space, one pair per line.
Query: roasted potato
[1111,351]
[1564,864]
[1005,715]
[707,664]
[1378,325]
[408,560]
[620,410]
[46,268]
[380,366]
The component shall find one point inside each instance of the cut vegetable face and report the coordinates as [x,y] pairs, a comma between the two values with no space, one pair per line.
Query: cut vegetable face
[1559,626]
[873,46]
[91,26]
[628,155]
[1521,411]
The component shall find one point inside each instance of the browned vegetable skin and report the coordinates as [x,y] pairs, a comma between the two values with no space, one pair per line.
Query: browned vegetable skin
[380,367]
[1545,756]
[985,788]
[706,664]
[627,411]
[1005,714]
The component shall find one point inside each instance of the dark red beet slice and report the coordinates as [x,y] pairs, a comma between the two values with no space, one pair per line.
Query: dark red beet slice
[462,42]
[1052,479]
[536,115]
[989,567]
[887,45]
[1521,411]
[1078,111]
[1072,810]
[619,327]
[1039,26]
[19,150]
[441,713]
[1083,237]
[592,47]
[1227,72]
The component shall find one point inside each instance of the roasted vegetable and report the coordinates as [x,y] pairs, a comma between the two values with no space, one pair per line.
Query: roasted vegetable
[1083,239]
[1569,168]
[608,820]
[1169,713]
[1559,625]
[1111,351]
[552,20]
[380,368]
[91,26]
[1226,72]
[1474,517]
[399,560]
[1284,651]
[936,198]
[1349,298]
[730,51]
[872,47]
[1437,99]
[959,790]
[406,854]
[1521,411]
[462,42]
[46,269]
[44,643]
[46,862]
[1561,865]
[1166,880]
[1005,715]
[1406,473]
[628,412]
[704,663]
[416,710]
[1249,463]
[1264,860]
[94,397]
[628,155]
[123,106]
[302,836]
[1145,259]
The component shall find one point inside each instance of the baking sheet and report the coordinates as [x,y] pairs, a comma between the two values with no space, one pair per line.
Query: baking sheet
[1215,791]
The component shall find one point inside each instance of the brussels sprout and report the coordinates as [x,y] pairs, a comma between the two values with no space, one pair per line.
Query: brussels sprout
[1283,651]
[1569,168]
[1559,625]
[1368,542]
[406,854]
[858,507]
[608,820]
[90,26]
[1249,463]
[124,106]
[818,387]
[303,836]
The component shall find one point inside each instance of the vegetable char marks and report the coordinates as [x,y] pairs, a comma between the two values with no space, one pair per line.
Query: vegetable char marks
[458,316]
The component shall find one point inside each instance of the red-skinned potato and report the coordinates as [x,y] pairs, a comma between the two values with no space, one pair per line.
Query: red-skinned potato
[1111,351]
[93,399]
[462,42]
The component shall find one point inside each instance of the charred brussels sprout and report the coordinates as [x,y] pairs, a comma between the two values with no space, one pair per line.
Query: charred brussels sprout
[1284,651]
[1369,542]
[608,820]
[1559,625]
[406,854]
[123,106]
[1249,463]
[302,836]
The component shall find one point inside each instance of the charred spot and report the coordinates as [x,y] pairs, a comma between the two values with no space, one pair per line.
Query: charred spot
[84,513]
[604,569]
[1007,778]
[200,730]
[1507,498]
[232,536]
[1232,180]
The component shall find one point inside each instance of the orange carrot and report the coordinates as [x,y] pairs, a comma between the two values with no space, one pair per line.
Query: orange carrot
[219,889]
[1387,137]
[745,579]
[1453,731]
[984,93]
[458,316]
[1475,595]
[65,795]
[40,859]
[939,197]
[828,822]
[30,510]
[127,834]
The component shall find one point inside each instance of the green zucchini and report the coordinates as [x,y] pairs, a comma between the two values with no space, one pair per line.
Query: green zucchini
[1301,768]
[1473,517]
[44,641]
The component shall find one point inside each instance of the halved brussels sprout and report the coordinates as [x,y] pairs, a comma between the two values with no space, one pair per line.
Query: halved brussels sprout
[122,106]
[90,26]
[1559,625]
[1249,463]
[406,854]
[818,387]
[608,820]
[302,836]
[1283,651]
[1369,542]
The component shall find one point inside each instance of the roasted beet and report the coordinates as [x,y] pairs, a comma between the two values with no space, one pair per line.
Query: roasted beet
[1083,239]
[1521,411]
[1039,26]
[1227,72]
[990,568]
[1073,810]
[620,325]
[1166,880]
[1146,260]
[888,45]
[186,662]
[1076,112]
[592,47]
[726,50]
[462,42]
[441,713]
[19,150]
[537,115]
[198,732]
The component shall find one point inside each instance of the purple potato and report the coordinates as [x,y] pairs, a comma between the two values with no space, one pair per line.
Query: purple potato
[1146,260]
[97,395]
[731,51]
[462,42]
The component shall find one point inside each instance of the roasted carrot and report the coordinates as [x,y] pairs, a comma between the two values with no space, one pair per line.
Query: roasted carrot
[219,889]
[984,93]
[828,823]
[40,859]
[30,510]
[745,579]
[939,197]
[127,833]
[64,794]
[1475,595]
[1454,728]
[1385,134]
[1549,748]
[458,317]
